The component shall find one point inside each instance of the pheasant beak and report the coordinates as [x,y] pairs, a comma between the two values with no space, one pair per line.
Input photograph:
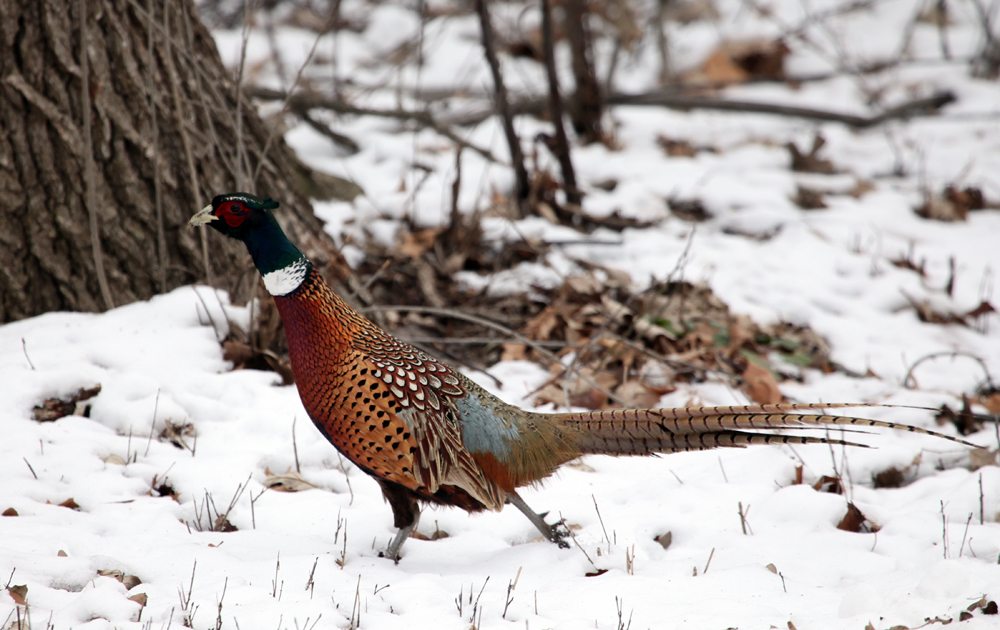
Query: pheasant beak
[204,216]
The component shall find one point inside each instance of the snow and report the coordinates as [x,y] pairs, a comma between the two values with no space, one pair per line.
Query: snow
[310,559]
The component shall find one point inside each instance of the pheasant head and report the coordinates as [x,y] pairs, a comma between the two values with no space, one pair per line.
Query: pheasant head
[248,218]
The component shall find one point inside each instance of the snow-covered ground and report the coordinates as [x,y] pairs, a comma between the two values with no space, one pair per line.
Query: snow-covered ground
[310,559]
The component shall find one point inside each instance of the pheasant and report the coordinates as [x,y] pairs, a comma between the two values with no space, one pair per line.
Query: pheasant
[426,433]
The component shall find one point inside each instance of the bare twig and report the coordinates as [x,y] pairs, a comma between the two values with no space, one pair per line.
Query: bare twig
[24,348]
[662,46]
[298,76]
[304,101]
[295,446]
[710,556]
[910,383]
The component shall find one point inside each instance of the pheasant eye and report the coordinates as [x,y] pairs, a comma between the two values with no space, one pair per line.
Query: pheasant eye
[233,213]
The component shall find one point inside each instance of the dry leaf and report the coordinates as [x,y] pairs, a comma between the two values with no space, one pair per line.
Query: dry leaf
[676,148]
[982,457]
[114,459]
[990,401]
[810,162]
[938,208]
[862,188]
[720,68]
[889,478]
[809,198]
[760,385]
[690,210]
[541,326]
[773,569]
[853,520]
[175,432]
[237,352]
[70,503]
[514,352]
[139,598]
[578,464]
[829,484]
[591,399]
[131,581]
[736,62]
[18,594]
[584,286]
[665,540]
[9,512]
[112,573]
[415,244]
[289,482]
[740,332]
[55,408]
[636,395]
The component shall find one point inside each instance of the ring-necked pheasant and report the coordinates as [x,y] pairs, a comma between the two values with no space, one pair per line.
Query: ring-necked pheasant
[425,432]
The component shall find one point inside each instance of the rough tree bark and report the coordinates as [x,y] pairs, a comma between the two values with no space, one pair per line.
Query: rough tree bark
[166,134]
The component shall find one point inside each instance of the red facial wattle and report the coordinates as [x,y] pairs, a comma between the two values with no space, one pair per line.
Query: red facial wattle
[233,213]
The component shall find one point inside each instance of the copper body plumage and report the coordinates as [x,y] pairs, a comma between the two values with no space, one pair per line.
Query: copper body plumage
[428,434]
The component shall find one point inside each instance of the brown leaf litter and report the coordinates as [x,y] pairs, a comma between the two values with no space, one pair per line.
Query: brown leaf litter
[55,408]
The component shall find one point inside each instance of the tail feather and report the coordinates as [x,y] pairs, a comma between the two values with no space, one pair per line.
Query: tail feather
[648,431]
[596,444]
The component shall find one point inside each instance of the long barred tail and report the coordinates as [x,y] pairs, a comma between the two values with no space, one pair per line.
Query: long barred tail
[649,431]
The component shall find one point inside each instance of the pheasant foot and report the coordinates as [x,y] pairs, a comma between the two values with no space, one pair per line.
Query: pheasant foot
[555,533]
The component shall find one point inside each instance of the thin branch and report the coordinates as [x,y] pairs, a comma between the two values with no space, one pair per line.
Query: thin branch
[910,383]
[304,101]
[298,76]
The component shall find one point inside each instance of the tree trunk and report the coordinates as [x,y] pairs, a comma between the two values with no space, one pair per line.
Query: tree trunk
[166,135]
[585,107]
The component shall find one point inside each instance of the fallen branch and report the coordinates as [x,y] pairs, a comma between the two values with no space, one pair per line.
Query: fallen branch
[910,108]
[305,101]
[673,100]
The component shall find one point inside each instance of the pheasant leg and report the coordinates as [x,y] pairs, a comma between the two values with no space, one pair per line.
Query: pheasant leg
[555,533]
[405,514]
